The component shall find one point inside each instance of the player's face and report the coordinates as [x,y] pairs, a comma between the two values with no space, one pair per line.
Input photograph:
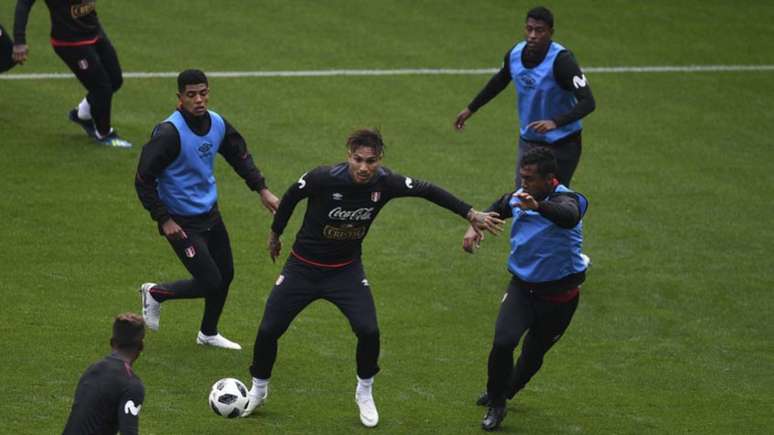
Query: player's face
[363,164]
[537,34]
[535,184]
[194,98]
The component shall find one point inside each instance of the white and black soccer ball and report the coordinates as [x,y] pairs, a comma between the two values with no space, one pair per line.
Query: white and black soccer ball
[228,397]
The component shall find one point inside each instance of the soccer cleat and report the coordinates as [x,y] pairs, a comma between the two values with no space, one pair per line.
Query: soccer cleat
[483,399]
[216,340]
[151,308]
[256,397]
[112,140]
[494,416]
[369,416]
[586,260]
[86,124]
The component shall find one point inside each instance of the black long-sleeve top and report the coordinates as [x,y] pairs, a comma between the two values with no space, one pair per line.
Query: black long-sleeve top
[164,147]
[108,399]
[71,20]
[339,211]
[565,68]
[561,208]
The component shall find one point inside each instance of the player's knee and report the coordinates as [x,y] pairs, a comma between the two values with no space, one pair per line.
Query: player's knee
[116,82]
[366,331]
[227,277]
[505,341]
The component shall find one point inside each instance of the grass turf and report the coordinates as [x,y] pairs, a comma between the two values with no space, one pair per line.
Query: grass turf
[673,330]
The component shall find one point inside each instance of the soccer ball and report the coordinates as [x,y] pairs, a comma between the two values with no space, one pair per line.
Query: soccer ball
[228,397]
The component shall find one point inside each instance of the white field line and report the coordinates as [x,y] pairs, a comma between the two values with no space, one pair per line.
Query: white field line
[407,71]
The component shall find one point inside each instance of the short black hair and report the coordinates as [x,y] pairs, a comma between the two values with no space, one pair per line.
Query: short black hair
[128,332]
[541,13]
[542,157]
[366,137]
[190,77]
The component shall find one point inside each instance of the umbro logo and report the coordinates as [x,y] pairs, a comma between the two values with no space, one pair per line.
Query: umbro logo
[130,408]
[337,196]
[204,149]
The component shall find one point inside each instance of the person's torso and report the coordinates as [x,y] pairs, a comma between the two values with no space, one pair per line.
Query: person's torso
[74,21]
[539,96]
[339,214]
[97,397]
[542,251]
[187,186]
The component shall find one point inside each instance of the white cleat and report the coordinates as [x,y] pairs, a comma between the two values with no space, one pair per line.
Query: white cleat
[216,340]
[151,308]
[586,260]
[257,396]
[369,416]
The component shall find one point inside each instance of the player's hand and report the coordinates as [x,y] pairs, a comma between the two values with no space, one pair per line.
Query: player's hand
[472,239]
[274,245]
[542,126]
[459,122]
[20,53]
[526,201]
[486,221]
[269,201]
[173,231]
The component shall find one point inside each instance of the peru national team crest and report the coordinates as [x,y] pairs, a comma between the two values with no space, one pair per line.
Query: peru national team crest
[375,196]
[190,252]
[83,64]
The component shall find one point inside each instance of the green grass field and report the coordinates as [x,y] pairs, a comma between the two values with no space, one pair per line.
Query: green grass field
[673,332]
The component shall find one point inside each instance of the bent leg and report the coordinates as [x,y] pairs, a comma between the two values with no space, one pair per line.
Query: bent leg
[292,292]
[516,315]
[352,295]
[552,322]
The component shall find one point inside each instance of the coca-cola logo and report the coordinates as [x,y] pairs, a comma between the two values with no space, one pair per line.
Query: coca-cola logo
[360,214]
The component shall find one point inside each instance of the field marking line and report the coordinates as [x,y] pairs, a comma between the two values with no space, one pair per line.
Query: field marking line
[406,71]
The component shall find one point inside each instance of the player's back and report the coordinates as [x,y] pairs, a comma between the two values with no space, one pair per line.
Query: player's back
[106,392]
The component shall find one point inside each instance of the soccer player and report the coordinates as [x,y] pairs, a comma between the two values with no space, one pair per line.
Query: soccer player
[553,94]
[80,41]
[175,182]
[342,202]
[6,51]
[546,273]
[109,395]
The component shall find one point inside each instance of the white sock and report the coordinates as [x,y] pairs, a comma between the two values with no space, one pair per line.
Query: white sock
[99,136]
[84,110]
[260,384]
[364,385]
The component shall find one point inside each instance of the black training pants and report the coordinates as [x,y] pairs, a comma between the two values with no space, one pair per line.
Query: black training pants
[6,51]
[207,256]
[522,311]
[96,67]
[567,152]
[300,284]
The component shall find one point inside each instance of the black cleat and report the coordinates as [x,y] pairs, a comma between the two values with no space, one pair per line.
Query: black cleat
[494,416]
[483,399]
[86,125]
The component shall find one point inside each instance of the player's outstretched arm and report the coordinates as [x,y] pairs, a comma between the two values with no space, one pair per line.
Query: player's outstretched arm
[486,221]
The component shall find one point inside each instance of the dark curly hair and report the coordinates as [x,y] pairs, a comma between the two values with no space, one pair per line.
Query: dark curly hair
[542,157]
